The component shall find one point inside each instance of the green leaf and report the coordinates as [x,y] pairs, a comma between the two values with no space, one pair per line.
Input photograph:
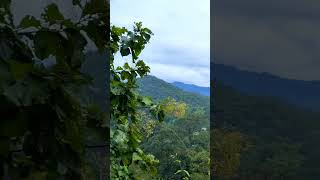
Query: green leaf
[183,171]
[126,66]
[127,159]
[22,94]
[77,2]
[136,157]
[119,68]
[52,14]
[98,34]
[147,101]
[125,75]
[141,63]
[147,37]
[49,43]
[125,51]
[29,21]
[69,24]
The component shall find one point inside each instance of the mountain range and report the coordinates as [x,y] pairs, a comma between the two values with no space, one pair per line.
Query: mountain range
[264,120]
[159,89]
[302,93]
[205,91]
[305,94]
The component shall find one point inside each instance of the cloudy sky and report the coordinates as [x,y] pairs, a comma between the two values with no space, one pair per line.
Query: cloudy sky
[180,47]
[281,37]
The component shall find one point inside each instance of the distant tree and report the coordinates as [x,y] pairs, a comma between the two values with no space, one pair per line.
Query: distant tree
[174,108]
[227,148]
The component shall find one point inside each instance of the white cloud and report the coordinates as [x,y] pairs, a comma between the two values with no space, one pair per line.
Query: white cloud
[180,73]
[181,40]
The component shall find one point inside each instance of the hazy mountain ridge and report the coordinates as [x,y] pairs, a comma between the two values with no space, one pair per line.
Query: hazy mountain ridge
[205,91]
[303,93]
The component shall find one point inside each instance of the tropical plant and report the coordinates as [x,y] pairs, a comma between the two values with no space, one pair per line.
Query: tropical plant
[126,130]
[44,123]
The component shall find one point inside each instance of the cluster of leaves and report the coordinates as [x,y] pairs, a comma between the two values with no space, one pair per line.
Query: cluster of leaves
[43,120]
[174,108]
[126,132]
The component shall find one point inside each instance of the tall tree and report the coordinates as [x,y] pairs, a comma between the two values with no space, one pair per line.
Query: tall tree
[126,132]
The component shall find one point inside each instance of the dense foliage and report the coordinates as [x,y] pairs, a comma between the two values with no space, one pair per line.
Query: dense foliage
[126,134]
[281,140]
[45,125]
[181,142]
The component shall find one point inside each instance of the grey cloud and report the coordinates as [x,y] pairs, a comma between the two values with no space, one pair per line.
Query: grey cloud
[21,8]
[191,75]
[278,37]
[175,56]
[268,8]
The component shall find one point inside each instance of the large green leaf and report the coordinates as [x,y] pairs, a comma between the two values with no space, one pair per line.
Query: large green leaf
[98,34]
[49,43]
[29,21]
[52,14]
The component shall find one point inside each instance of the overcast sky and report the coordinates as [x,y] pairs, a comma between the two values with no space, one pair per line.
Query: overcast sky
[281,37]
[180,47]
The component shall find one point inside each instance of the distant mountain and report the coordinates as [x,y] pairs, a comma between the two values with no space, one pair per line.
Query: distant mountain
[303,93]
[205,91]
[159,89]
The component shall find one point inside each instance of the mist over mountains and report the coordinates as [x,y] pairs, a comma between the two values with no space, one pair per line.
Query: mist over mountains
[305,94]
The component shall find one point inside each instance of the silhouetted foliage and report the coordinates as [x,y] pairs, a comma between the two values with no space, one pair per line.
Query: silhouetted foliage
[45,125]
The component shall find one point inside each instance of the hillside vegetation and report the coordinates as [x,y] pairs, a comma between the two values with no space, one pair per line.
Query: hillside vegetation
[159,89]
[283,139]
[181,142]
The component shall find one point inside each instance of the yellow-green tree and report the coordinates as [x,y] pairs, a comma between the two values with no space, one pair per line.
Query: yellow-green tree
[226,149]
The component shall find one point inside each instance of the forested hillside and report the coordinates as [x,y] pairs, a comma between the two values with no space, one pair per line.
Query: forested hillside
[159,89]
[181,142]
[283,139]
[302,93]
